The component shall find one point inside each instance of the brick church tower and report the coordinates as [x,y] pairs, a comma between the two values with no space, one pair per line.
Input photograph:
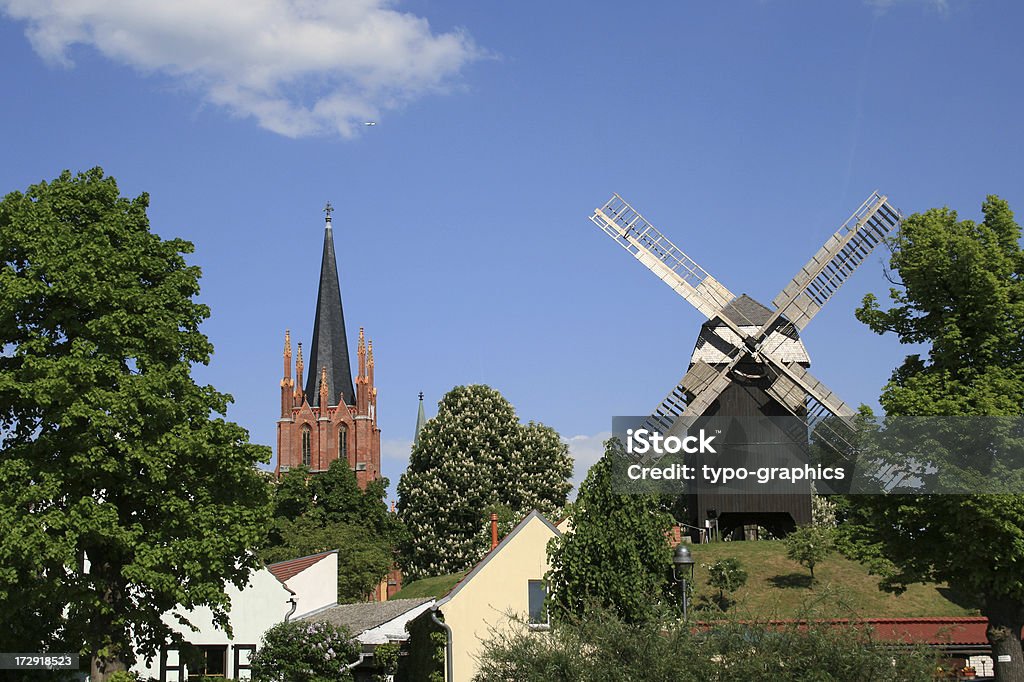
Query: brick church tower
[329,419]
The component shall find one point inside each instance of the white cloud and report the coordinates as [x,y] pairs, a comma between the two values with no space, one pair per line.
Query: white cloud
[585,451]
[396,450]
[299,67]
[881,6]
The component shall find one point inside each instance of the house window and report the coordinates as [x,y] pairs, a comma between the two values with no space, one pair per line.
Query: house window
[343,443]
[171,667]
[243,656]
[307,453]
[360,466]
[213,662]
[536,593]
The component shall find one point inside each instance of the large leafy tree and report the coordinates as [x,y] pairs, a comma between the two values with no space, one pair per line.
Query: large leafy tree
[617,554]
[960,292]
[123,494]
[472,459]
[327,511]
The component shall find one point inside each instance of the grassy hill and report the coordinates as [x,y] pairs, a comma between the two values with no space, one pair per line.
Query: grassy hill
[437,586]
[779,587]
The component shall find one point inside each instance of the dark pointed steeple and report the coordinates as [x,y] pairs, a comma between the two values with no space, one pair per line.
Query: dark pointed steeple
[329,351]
[421,419]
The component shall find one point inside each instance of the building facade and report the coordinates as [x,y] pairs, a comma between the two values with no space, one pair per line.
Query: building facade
[324,415]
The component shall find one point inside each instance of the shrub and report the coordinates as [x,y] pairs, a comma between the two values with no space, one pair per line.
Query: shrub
[600,647]
[300,651]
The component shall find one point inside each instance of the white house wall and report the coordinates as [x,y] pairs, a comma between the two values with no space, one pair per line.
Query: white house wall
[262,604]
[316,586]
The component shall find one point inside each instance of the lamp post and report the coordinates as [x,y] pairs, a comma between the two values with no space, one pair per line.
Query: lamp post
[682,561]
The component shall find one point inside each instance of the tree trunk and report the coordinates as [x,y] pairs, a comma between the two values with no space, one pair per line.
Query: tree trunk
[102,668]
[109,659]
[1004,629]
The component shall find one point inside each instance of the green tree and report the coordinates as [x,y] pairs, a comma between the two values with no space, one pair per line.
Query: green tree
[617,554]
[727,575]
[809,545]
[473,458]
[328,511]
[122,493]
[960,292]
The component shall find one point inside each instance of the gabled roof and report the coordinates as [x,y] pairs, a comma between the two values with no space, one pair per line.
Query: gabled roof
[361,617]
[284,570]
[494,552]
[330,344]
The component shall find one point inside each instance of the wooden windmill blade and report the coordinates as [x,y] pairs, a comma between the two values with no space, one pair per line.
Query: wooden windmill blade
[647,244]
[704,383]
[832,265]
[792,379]
[812,416]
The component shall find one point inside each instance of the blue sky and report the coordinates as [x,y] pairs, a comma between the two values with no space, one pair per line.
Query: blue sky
[747,131]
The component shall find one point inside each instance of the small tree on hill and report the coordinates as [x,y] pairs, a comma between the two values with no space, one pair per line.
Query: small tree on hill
[475,457]
[617,555]
[810,545]
[728,576]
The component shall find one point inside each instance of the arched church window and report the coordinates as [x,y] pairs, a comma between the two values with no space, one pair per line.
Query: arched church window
[343,443]
[307,454]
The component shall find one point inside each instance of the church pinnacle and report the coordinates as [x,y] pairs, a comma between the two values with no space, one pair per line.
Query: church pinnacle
[329,351]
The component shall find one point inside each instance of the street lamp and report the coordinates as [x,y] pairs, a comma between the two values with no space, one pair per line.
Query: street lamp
[682,561]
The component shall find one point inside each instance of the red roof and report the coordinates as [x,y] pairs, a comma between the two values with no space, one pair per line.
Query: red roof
[950,630]
[284,570]
[946,630]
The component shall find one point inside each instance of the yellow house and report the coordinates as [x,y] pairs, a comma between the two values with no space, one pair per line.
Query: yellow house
[509,580]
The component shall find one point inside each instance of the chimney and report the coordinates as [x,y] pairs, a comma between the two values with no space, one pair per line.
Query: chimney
[494,531]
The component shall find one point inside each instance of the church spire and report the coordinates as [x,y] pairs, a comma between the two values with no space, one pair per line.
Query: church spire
[329,351]
[421,419]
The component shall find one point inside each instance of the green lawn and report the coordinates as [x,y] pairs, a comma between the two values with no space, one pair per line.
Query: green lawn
[780,588]
[437,586]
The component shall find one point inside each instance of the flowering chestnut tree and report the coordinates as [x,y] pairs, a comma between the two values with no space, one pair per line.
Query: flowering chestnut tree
[474,458]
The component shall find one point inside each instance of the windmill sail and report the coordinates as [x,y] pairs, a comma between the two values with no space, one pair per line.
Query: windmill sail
[627,227]
[822,276]
[697,380]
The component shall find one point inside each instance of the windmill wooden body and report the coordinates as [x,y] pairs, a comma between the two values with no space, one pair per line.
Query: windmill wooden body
[749,359]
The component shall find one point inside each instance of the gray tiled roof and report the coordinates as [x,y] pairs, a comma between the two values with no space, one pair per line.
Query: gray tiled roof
[365,616]
[744,310]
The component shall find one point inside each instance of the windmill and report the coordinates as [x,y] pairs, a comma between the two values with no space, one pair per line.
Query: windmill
[749,359]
